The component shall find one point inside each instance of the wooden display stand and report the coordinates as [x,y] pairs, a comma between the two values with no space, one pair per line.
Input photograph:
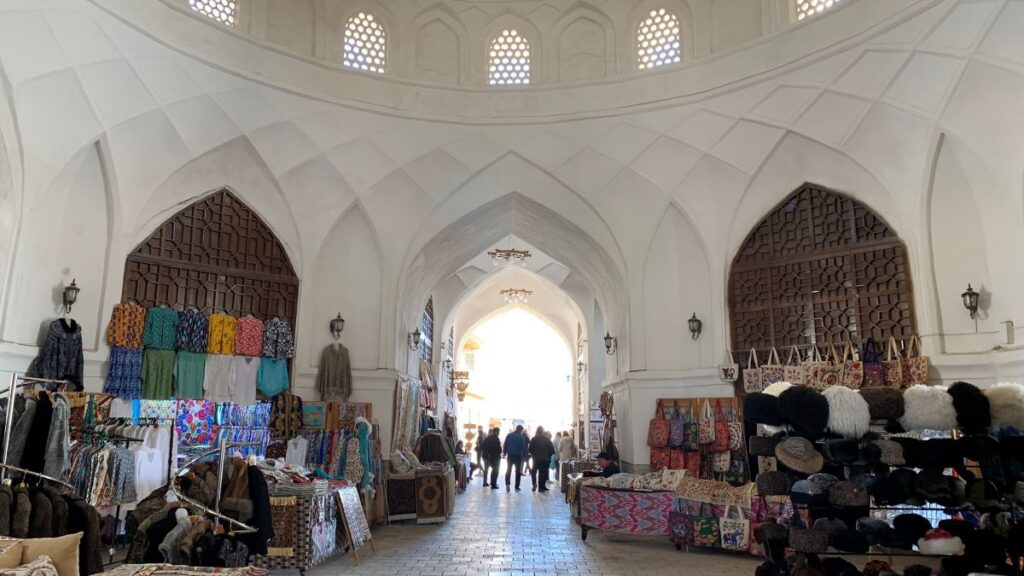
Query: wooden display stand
[356,528]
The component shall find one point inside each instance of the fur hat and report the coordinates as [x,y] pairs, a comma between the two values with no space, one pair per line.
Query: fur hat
[774,483]
[977,447]
[932,485]
[807,494]
[928,408]
[850,541]
[776,389]
[957,491]
[938,453]
[808,541]
[888,492]
[761,408]
[771,531]
[843,451]
[973,413]
[805,410]
[883,403]
[911,450]
[939,542]
[891,453]
[848,414]
[762,445]
[823,481]
[984,494]
[874,529]
[848,493]
[959,528]
[1006,403]
[799,454]
[913,526]
[829,526]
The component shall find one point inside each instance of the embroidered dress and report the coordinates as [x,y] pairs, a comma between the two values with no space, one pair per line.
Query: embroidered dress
[249,336]
[158,374]
[161,328]
[222,334]
[193,331]
[124,377]
[277,339]
[189,369]
[127,322]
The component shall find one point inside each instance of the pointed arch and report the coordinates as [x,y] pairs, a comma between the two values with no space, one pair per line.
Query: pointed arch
[438,22]
[582,22]
[525,29]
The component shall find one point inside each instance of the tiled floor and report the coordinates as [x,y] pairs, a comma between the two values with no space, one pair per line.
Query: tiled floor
[494,532]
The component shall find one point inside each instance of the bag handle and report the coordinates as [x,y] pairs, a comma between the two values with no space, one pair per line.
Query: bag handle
[752,359]
[871,352]
[814,354]
[915,344]
[833,355]
[850,353]
[774,354]
[719,414]
[892,348]
[793,351]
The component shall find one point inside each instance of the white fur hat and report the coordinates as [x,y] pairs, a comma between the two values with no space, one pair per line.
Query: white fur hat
[848,413]
[938,542]
[775,390]
[1007,402]
[928,408]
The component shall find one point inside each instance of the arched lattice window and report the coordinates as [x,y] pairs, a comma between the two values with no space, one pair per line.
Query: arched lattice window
[222,11]
[657,40]
[365,43]
[821,267]
[509,59]
[217,255]
[808,8]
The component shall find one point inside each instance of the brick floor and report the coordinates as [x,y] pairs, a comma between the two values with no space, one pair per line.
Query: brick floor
[497,533]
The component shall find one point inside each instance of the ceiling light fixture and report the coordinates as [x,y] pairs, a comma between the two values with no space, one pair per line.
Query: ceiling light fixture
[509,257]
[516,295]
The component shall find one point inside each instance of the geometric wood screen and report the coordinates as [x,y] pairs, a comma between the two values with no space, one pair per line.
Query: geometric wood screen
[216,255]
[820,268]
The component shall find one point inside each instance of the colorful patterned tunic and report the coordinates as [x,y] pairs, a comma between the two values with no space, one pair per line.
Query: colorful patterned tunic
[124,377]
[277,339]
[249,336]
[193,331]
[127,322]
[161,328]
[222,334]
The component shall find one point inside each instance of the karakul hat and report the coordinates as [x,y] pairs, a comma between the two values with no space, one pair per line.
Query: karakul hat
[799,454]
[805,410]
[873,529]
[907,477]
[939,542]
[957,491]
[890,452]
[983,493]
[761,408]
[843,451]
[835,566]
[973,412]
[1006,403]
[823,481]
[911,450]
[851,541]
[928,408]
[866,480]
[777,389]
[914,526]
[978,447]
[829,526]
[888,492]
[774,483]
[932,486]
[848,493]
[848,414]
[959,528]
[762,445]
[805,493]
[938,453]
[808,541]
[883,403]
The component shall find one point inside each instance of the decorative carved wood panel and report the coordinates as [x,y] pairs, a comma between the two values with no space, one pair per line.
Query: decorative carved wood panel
[820,268]
[216,254]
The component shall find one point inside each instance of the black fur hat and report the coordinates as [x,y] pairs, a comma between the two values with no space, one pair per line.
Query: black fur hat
[883,403]
[913,526]
[977,447]
[911,450]
[973,413]
[889,492]
[761,408]
[805,410]
[850,541]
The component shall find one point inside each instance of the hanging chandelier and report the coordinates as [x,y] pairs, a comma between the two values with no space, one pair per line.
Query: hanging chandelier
[509,257]
[460,378]
[516,295]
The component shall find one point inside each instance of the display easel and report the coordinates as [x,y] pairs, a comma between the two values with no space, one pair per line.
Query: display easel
[357,531]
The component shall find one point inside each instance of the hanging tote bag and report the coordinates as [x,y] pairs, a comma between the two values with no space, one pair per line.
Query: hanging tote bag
[737,473]
[792,372]
[752,375]
[760,516]
[915,365]
[691,436]
[661,458]
[874,371]
[729,371]
[707,424]
[706,532]
[676,430]
[658,429]
[830,373]
[677,460]
[811,367]
[721,443]
[720,462]
[691,463]
[893,365]
[853,368]
[736,436]
[735,532]
[773,371]
[680,526]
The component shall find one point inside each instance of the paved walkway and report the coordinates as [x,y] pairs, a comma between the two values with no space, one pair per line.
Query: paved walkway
[497,533]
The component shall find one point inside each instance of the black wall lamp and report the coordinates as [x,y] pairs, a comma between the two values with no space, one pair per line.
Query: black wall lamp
[70,296]
[610,344]
[695,326]
[970,297]
[337,325]
[414,339]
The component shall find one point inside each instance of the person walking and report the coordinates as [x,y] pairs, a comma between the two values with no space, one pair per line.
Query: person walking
[514,449]
[478,448]
[490,450]
[566,448]
[526,455]
[554,460]
[541,450]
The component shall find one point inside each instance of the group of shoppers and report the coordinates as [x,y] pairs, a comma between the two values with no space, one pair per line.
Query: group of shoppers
[518,449]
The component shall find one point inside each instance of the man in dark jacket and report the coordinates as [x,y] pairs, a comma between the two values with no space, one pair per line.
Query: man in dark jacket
[541,450]
[514,449]
[490,451]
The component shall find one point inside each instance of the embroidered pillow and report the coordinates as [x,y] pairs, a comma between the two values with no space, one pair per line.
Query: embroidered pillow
[41,566]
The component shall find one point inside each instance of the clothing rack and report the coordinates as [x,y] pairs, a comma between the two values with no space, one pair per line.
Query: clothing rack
[222,457]
[244,528]
[9,423]
[37,475]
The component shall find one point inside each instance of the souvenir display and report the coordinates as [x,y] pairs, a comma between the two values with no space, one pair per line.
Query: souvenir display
[711,445]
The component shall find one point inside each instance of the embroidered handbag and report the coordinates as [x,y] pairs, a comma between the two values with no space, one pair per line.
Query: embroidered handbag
[680,524]
[691,438]
[728,371]
[736,436]
[752,374]
[811,366]
[759,517]
[737,473]
[792,372]
[661,458]
[853,368]
[773,371]
[658,429]
[721,443]
[705,529]
[893,365]
[707,424]
[915,365]
[874,371]
[677,460]
[691,463]
[831,372]
[677,430]
[720,462]
[735,532]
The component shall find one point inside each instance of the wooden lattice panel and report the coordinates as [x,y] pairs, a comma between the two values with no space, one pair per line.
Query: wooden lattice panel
[216,254]
[819,268]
